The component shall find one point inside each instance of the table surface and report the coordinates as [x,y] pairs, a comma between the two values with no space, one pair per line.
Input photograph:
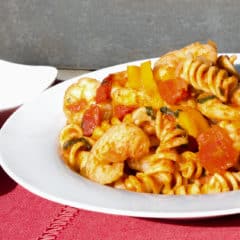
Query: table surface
[24,215]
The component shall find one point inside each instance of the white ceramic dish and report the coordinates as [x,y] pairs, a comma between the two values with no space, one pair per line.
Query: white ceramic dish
[29,154]
[20,83]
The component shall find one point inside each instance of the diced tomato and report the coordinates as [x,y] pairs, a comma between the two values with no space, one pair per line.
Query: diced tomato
[103,93]
[216,151]
[77,106]
[173,90]
[121,110]
[91,118]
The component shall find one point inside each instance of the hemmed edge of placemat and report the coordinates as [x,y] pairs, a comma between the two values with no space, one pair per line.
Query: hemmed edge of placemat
[59,223]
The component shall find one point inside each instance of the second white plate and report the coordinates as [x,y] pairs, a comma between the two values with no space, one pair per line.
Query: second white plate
[20,83]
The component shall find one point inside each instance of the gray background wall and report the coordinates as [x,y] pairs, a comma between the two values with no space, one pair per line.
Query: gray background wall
[91,34]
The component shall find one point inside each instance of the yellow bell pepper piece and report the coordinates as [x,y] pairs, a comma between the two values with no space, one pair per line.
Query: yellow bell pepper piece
[192,121]
[149,85]
[133,73]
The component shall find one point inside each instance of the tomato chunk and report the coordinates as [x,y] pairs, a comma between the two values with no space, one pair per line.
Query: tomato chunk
[103,93]
[216,151]
[91,118]
[121,110]
[173,90]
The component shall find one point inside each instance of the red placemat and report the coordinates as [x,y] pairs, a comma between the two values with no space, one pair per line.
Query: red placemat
[25,216]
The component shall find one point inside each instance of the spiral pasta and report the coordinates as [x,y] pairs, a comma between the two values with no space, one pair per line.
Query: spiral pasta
[161,168]
[171,129]
[141,182]
[227,63]
[169,134]
[208,78]
[72,145]
[190,166]
[222,182]
[154,163]
[190,188]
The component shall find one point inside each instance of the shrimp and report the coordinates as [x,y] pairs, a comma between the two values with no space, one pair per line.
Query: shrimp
[167,65]
[213,108]
[130,97]
[78,97]
[106,161]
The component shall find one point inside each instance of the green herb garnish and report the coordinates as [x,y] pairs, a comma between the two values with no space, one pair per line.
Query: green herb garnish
[204,99]
[169,111]
[72,141]
[150,112]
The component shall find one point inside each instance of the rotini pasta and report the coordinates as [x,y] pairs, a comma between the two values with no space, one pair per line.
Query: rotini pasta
[227,63]
[170,129]
[222,182]
[189,188]
[208,78]
[155,163]
[169,134]
[190,166]
[140,182]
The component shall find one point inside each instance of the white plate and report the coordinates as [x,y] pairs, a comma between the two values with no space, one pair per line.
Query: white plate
[20,83]
[28,143]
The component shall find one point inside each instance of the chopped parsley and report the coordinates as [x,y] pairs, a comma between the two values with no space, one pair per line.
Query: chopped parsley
[72,141]
[169,111]
[204,99]
[150,112]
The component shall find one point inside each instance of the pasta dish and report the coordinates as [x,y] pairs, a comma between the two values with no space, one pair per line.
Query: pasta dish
[166,127]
